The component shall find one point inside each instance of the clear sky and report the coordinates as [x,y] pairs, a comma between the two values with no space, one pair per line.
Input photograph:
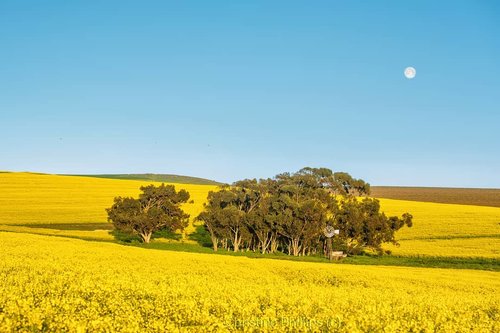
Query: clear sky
[241,89]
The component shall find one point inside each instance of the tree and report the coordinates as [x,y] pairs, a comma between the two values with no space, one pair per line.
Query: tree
[303,205]
[362,225]
[224,214]
[212,224]
[262,224]
[157,208]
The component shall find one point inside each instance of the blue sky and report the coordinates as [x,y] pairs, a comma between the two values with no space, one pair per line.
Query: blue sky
[236,89]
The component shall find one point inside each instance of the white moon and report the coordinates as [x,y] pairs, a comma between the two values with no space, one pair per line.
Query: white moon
[410,72]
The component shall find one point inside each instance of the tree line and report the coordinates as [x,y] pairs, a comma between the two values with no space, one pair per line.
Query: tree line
[288,213]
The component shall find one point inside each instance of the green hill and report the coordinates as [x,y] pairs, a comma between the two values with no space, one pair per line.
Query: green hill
[167,178]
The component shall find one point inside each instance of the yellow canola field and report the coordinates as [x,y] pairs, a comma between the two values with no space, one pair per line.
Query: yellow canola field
[446,229]
[455,247]
[58,284]
[27,198]
[99,234]
[444,220]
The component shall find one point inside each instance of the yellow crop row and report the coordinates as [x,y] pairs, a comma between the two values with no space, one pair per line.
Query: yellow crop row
[60,284]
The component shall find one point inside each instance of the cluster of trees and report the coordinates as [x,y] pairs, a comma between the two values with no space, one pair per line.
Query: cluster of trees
[289,213]
[157,208]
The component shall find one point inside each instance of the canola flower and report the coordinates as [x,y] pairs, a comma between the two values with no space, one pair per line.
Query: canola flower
[102,235]
[445,220]
[55,284]
[27,198]
[446,229]
[487,247]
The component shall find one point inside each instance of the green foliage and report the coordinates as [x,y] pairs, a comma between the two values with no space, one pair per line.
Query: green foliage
[362,225]
[201,236]
[156,209]
[289,213]
[125,237]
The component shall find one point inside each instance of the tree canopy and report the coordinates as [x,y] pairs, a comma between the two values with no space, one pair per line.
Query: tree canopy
[157,208]
[289,213]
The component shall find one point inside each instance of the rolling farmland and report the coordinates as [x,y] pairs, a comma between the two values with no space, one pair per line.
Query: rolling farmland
[129,289]
[74,206]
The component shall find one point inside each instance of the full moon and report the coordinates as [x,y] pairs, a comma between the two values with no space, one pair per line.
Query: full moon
[410,72]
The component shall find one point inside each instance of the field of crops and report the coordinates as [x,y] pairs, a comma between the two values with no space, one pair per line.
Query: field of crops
[59,284]
[65,284]
[30,199]
[446,229]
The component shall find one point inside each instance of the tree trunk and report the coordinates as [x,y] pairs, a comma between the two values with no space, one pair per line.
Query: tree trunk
[146,236]
[213,236]
[295,247]
[274,244]
[264,243]
[263,246]
[236,243]
[214,243]
[236,239]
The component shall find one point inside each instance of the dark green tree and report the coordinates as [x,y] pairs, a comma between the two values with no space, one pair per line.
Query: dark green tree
[224,215]
[306,203]
[157,208]
[363,225]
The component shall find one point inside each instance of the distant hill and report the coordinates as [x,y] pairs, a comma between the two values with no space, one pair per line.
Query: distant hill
[167,178]
[464,196]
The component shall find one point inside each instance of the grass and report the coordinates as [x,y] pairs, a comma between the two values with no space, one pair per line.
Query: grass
[489,264]
[463,196]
